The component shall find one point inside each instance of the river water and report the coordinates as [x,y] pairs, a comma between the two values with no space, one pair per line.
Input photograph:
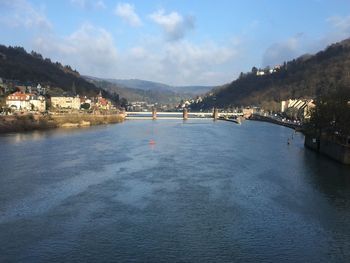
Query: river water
[171,191]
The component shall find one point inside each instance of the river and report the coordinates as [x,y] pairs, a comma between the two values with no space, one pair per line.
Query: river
[171,191]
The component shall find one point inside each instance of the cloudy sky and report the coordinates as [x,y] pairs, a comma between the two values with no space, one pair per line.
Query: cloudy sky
[178,42]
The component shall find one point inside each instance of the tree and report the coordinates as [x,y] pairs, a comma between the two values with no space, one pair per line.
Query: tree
[123,103]
[85,106]
[254,70]
[331,116]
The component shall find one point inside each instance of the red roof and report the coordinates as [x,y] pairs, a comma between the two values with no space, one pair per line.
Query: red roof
[19,96]
[103,101]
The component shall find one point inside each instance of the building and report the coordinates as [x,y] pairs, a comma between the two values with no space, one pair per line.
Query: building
[40,90]
[103,104]
[26,102]
[300,107]
[39,103]
[247,112]
[65,102]
[19,101]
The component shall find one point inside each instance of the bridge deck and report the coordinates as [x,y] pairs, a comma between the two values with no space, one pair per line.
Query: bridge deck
[180,113]
[163,118]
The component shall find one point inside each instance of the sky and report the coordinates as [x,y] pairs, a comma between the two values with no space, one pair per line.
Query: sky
[177,42]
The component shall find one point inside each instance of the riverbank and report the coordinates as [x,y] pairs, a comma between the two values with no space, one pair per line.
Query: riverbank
[334,150]
[22,123]
[291,125]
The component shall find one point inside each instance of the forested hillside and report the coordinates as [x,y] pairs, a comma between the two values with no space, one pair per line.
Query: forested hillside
[17,64]
[305,77]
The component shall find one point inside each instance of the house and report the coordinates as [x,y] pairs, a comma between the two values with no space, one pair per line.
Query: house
[19,101]
[103,104]
[26,102]
[39,103]
[247,112]
[302,107]
[65,102]
[40,90]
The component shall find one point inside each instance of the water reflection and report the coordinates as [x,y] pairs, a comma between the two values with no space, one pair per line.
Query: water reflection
[42,135]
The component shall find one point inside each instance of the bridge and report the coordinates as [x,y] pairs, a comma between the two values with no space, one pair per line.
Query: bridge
[184,115]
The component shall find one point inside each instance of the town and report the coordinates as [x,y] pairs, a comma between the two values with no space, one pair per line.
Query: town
[29,98]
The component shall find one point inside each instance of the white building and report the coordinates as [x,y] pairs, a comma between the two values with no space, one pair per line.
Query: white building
[39,103]
[304,106]
[65,102]
[26,102]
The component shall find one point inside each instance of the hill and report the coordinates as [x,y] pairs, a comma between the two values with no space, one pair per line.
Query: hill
[17,64]
[305,77]
[156,86]
[149,91]
[155,95]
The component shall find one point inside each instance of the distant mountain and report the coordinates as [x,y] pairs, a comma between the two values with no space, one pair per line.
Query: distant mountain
[305,77]
[151,95]
[139,84]
[17,64]
[156,86]
[149,91]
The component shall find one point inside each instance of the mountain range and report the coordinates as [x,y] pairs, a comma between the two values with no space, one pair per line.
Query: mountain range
[149,91]
[151,85]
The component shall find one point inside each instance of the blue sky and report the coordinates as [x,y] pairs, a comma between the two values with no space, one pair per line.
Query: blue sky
[179,42]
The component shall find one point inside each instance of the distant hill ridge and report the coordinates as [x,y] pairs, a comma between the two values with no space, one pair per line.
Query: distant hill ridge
[151,85]
[306,76]
[149,91]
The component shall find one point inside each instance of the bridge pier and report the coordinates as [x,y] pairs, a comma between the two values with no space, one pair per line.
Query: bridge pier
[215,114]
[154,114]
[185,114]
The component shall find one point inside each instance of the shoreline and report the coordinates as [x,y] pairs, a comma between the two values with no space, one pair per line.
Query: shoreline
[277,122]
[24,123]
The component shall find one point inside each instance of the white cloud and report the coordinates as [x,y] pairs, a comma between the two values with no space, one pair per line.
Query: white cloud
[20,13]
[187,62]
[340,28]
[174,25]
[300,44]
[180,62]
[89,4]
[283,51]
[127,13]
[90,49]
[340,23]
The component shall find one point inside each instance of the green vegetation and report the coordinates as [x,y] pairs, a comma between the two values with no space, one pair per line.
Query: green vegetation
[305,77]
